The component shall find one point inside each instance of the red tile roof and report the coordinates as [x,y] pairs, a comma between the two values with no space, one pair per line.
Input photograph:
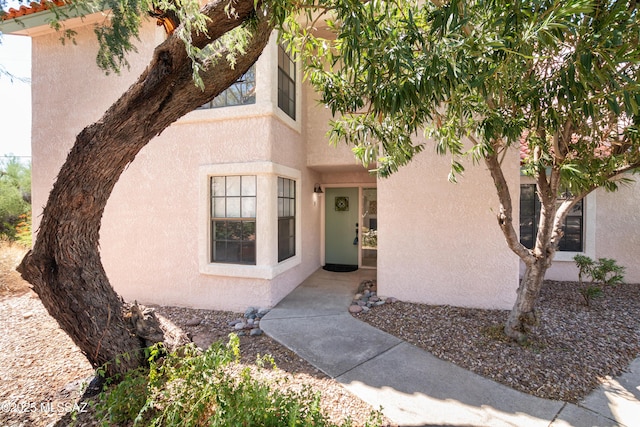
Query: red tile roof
[33,7]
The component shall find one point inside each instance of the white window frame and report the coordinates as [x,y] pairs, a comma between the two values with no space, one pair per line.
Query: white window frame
[267,265]
[589,224]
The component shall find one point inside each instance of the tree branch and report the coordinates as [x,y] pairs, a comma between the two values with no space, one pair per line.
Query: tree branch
[505,217]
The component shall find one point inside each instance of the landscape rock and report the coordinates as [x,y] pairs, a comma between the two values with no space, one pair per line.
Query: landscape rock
[355,309]
[193,322]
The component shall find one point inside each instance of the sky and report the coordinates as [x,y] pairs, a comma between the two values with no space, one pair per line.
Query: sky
[15,96]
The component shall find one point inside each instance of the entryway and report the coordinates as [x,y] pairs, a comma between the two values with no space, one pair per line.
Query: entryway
[351,228]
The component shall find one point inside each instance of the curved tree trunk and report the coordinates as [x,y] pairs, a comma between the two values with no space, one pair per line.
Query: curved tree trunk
[64,265]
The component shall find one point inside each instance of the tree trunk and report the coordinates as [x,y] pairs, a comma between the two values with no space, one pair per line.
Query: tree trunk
[64,265]
[537,260]
[523,314]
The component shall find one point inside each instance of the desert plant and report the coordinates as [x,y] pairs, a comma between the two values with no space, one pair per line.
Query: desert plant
[194,388]
[605,271]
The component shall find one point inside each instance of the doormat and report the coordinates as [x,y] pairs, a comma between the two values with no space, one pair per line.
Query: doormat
[340,268]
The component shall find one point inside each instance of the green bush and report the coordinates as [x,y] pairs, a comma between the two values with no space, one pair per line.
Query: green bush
[15,198]
[193,388]
[605,271]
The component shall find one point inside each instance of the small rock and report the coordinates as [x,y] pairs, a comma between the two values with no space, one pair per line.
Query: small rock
[355,309]
[235,322]
[361,303]
[239,326]
[249,311]
[255,332]
[365,309]
[193,322]
[374,299]
[250,322]
[379,303]
[263,311]
[27,315]
[391,300]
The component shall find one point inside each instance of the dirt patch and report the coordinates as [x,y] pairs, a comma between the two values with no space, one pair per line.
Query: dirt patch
[10,281]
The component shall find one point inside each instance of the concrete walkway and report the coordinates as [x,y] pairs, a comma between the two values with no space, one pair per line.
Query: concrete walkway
[413,387]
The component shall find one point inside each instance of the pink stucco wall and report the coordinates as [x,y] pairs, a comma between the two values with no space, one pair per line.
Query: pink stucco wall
[439,243]
[149,235]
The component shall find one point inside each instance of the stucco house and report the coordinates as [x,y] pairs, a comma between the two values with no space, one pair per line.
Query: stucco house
[239,201]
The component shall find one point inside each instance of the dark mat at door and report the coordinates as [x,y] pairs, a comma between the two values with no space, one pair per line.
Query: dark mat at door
[340,268]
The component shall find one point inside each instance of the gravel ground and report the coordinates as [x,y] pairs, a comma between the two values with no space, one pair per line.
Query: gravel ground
[42,373]
[573,349]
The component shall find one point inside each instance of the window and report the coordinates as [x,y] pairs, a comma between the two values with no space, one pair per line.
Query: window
[286,218]
[242,92]
[247,219]
[233,219]
[286,83]
[573,227]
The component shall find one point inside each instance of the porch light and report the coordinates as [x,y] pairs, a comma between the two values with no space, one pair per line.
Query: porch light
[317,189]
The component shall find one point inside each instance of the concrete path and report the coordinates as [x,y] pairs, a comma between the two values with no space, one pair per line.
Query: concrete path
[413,387]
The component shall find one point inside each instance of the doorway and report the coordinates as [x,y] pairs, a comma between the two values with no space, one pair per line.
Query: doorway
[341,228]
[350,228]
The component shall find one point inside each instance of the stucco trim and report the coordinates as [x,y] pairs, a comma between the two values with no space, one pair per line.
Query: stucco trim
[267,266]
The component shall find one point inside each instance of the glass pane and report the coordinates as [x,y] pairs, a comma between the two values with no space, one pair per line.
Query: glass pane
[234,229]
[292,185]
[248,185]
[248,253]
[280,207]
[233,186]
[217,186]
[232,253]
[233,207]
[219,230]
[248,207]
[280,187]
[369,228]
[220,252]
[219,207]
[292,207]
[249,231]
[576,210]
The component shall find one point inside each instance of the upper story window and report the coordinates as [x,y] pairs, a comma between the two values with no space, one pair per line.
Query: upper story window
[242,92]
[233,219]
[286,83]
[286,218]
[573,239]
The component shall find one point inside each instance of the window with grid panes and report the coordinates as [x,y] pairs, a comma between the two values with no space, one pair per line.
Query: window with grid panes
[573,227]
[286,83]
[233,219]
[242,92]
[286,218]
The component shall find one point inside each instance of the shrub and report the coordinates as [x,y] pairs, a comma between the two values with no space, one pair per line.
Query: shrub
[15,197]
[605,271]
[193,388]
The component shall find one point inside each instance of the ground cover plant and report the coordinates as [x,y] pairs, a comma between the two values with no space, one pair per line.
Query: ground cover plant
[190,387]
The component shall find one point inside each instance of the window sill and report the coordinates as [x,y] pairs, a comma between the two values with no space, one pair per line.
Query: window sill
[266,272]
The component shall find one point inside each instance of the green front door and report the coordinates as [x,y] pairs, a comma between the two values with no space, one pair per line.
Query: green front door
[341,226]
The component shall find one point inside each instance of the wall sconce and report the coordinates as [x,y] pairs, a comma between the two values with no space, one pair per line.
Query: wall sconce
[317,189]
